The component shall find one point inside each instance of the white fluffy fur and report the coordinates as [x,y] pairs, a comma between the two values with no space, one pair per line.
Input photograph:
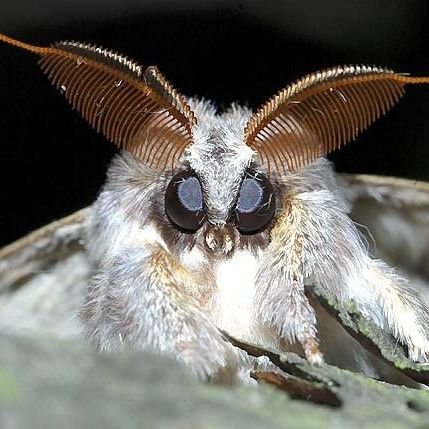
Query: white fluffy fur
[232,304]
[176,306]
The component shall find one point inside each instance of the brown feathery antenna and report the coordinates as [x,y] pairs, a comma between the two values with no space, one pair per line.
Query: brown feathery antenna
[321,112]
[135,108]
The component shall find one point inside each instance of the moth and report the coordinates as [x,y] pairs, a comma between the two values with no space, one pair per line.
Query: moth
[219,222]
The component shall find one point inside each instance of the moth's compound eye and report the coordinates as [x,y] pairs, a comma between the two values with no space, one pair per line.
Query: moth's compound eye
[184,201]
[256,203]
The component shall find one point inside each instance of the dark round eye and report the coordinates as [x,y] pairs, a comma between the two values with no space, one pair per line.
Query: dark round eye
[256,203]
[184,201]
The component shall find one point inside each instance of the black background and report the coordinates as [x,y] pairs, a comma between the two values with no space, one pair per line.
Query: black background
[52,163]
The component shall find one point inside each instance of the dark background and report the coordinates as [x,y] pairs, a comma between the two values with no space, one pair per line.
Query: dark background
[52,163]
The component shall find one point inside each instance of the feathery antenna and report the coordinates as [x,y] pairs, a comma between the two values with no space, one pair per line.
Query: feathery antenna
[322,112]
[134,107]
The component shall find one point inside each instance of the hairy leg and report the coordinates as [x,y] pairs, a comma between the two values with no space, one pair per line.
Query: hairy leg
[280,300]
[315,242]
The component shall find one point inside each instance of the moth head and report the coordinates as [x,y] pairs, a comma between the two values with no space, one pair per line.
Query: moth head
[219,193]
[249,207]
[224,167]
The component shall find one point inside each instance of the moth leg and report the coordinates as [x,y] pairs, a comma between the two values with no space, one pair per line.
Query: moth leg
[142,298]
[334,257]
[386,297]
[280,298]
